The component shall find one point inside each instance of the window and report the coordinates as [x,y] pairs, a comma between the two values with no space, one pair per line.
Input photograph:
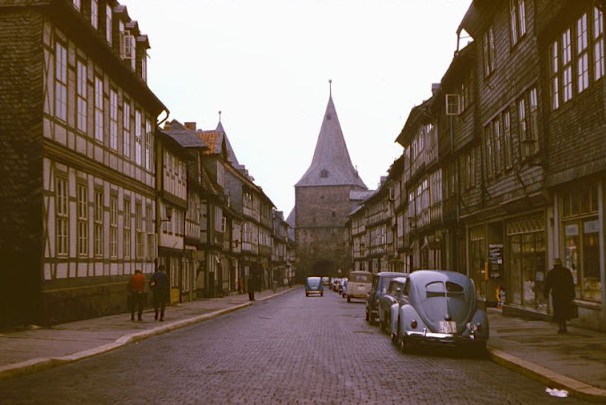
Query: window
[575,56]
[76,4]
[61,217]
[113,226]
[98,223]
[554,70]
[127,244]
[126,129]
[507,140]
[81,91]
[60,81]
[517,15]
[98,109]
[82,208]
[149,228]
[598,43]
[582,54]
[140,242]
[581,227]
[566,66]
[149,142]
[108,24]
[113,119]
[138,137]
[528,123]
[94,13]
[488,146]
[489,51]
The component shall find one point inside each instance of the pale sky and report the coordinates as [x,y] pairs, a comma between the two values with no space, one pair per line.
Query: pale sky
[265,64]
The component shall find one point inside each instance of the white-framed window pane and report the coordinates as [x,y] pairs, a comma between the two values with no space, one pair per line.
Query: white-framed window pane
[138,137]
[61,217]
[98,217]
[99,109]
[82,212]
[81,96]
[126,134]
[113,119]
[60,81]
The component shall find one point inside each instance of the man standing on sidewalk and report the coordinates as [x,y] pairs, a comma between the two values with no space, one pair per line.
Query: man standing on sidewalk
[136,294]
[559,281]
[160,291]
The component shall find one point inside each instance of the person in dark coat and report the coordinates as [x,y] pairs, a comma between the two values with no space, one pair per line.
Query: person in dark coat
[160,287]
[561,285]
[251,287]
[136,294]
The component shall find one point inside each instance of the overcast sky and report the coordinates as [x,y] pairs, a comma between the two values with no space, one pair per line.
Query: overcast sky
[265,64]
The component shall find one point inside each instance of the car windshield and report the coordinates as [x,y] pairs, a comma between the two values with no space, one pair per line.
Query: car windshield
[443,289]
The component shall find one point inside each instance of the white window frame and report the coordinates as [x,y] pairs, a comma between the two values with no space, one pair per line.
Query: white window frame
[60,81]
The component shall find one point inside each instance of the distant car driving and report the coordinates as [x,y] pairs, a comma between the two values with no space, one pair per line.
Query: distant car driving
[313,285]
[439,307]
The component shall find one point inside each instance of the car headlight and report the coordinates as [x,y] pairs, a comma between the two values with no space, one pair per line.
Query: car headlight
[474,327]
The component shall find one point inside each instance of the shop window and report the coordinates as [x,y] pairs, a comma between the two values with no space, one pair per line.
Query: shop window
[581,228]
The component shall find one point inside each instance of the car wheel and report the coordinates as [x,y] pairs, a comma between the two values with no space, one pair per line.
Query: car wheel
[321,294]
[394,338]
[348,298]
[368,318]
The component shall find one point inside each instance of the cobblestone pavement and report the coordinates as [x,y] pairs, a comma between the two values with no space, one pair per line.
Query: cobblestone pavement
[290,349]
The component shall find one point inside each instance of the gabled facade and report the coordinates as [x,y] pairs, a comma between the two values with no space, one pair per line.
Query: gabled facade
[77,135]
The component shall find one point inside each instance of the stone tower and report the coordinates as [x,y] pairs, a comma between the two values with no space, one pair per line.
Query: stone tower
[323,203]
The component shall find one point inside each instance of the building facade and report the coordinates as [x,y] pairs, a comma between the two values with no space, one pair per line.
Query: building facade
[78,135]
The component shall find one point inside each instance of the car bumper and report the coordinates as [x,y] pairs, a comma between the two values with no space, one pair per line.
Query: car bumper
[445,339]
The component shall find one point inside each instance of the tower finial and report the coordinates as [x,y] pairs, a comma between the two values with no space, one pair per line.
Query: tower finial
[330,87]
[219,116]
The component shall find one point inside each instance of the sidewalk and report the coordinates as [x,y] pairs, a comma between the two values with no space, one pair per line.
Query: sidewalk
[575,362]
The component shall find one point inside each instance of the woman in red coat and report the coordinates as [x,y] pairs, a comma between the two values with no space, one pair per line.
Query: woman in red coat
[136,294]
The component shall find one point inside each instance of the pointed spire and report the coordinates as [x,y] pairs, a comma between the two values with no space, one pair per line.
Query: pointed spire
[219,116]
[331,164]
[329,87]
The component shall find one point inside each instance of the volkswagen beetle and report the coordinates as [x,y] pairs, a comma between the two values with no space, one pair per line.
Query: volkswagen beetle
[439,307]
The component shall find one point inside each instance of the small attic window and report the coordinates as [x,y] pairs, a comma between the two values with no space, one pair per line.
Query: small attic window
[328,116]
[324,173]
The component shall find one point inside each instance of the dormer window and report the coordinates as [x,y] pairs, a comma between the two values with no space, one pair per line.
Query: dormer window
[324,173]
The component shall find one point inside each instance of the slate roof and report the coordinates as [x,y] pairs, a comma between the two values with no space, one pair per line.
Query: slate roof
[331,164]
[184,136]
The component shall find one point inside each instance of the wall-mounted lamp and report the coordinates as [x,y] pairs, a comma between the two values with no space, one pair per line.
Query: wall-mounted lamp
[169,214]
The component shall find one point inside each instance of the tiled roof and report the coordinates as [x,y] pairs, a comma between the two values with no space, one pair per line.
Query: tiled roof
[331,164]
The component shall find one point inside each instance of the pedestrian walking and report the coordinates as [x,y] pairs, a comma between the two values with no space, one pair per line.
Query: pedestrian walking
[136,294]
[561,285]
[160,291]
[251,288]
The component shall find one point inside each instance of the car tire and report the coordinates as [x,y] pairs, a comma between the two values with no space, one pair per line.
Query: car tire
[348,298]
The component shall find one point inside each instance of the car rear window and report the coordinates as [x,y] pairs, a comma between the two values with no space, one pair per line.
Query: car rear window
[360,278]
[441,289]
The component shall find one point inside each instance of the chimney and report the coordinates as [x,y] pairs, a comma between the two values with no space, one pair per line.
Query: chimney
[190,125]
[434,88]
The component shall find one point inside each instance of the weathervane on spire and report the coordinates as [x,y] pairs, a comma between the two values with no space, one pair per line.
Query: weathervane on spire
[330,87]
[219,115]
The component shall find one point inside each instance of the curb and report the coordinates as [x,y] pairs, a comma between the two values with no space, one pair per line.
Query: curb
[576,388]
[40,364]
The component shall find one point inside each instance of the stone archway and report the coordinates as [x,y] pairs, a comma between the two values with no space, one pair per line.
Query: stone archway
[323,268]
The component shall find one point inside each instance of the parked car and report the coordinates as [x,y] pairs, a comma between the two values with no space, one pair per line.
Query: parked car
[392,297]
[380,282]
[439,307]
[313,285]
[358,284]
